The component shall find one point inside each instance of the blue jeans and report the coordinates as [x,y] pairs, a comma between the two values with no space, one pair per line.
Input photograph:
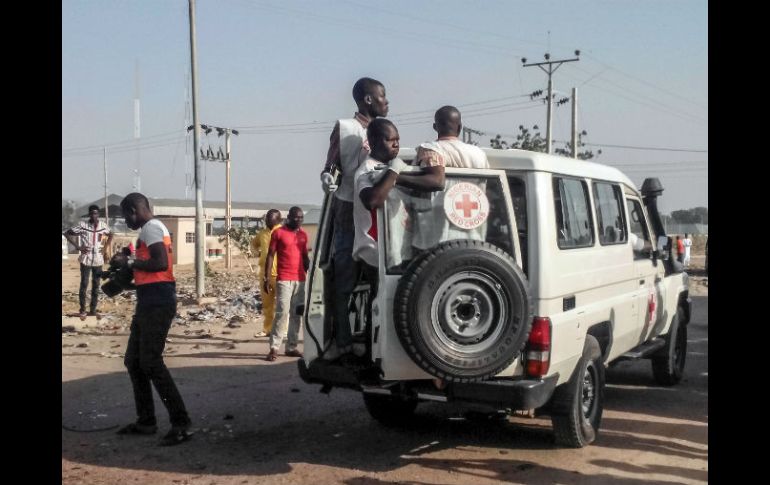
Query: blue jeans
[344,271]
[94,272]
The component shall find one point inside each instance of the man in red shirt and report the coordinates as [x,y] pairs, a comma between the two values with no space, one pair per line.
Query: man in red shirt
[289,245]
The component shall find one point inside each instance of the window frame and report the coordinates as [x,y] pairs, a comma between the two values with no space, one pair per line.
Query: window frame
[558,209]
[620,199]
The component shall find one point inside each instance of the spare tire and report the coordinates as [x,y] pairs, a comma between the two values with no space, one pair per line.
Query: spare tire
[462,310]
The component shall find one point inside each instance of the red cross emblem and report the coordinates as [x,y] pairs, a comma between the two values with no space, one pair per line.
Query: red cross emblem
[466,205]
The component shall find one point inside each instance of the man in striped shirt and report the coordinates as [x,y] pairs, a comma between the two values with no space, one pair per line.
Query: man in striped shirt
[92,236]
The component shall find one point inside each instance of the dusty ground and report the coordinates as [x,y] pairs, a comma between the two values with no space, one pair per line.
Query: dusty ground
[257,422]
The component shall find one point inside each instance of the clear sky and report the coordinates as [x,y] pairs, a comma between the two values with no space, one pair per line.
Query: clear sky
[642,82]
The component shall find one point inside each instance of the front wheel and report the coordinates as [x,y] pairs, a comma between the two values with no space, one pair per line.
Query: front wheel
[668,365]
[577,404]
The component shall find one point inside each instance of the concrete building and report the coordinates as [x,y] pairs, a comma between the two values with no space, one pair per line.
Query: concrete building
[179,217]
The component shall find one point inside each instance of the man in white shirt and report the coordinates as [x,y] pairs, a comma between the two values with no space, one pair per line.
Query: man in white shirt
[92,236]
[431,225]
[687,245]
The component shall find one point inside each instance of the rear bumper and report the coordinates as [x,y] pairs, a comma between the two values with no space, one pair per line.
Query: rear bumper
[505,393]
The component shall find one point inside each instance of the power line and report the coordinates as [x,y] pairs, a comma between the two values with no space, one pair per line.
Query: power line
[629,147]
[647,83]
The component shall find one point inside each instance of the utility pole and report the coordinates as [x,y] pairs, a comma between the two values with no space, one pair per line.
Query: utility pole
[552,67]
[227,201]
[200,233]
[106,202]
[210,156]
[574,123]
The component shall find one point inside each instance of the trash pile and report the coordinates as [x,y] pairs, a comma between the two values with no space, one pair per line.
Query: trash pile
[238,301]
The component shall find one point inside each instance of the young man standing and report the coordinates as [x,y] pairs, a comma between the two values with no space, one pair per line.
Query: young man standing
[261,245]
[288,245]
[93,236]
[347,149]
[155,310]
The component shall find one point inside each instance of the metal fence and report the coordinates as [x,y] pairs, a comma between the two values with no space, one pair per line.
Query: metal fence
[673,228]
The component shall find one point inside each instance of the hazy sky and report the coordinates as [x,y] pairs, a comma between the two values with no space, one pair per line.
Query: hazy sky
[642,82]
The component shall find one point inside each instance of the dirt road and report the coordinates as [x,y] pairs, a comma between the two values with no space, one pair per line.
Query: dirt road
[258,423]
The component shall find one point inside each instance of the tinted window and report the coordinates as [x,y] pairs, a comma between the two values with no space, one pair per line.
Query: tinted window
[609,213]
[468,208]
[574,227]
[640,237]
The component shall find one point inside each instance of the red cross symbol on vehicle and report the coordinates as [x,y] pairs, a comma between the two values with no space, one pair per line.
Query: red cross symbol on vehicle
[651,304]
[466,205]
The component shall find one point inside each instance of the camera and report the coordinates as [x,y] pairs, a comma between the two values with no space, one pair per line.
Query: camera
[119,277]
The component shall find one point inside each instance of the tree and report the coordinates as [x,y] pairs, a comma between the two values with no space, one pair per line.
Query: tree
[696,215]
[534,141]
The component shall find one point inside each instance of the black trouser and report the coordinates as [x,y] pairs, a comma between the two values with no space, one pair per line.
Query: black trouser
[144,360]
[96,272]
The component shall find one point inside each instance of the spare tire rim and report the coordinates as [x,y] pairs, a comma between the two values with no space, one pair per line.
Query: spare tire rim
[468,311]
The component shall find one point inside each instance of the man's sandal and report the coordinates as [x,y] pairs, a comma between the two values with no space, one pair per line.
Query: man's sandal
[175,436]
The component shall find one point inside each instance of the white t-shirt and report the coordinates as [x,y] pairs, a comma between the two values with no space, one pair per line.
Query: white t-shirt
[153,231]
[353,149]
[687,243]
[451,152]
[365,220]
[91,239]
[431,225]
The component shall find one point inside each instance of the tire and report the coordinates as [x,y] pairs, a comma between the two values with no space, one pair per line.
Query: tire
[462,310]
[390,410]
[668,365]
[577,405]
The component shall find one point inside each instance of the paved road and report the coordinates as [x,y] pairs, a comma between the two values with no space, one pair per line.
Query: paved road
[284,431]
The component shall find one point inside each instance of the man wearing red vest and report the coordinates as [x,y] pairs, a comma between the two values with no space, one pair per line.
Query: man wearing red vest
[155,310]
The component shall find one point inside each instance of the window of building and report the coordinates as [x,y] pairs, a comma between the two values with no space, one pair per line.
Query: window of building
[189,237]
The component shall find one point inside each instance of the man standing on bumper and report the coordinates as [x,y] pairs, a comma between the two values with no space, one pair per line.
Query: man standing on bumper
[347,150]
[155,310]
[289,243]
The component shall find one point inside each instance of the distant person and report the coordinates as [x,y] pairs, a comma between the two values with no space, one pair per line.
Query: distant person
[92,236]
[348,147]
[288,245]
[261,246]
[687,242]
[680,249]
[155,310]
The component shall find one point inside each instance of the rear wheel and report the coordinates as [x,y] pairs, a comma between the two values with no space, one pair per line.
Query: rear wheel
[577,405]
[390,410]
[668,366]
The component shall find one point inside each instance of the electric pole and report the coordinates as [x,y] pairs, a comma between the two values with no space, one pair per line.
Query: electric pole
[200,233]
[574,123]
[552,67]
[220,156]
[106,202]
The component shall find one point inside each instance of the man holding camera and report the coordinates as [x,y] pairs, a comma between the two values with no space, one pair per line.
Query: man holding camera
[155,310]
